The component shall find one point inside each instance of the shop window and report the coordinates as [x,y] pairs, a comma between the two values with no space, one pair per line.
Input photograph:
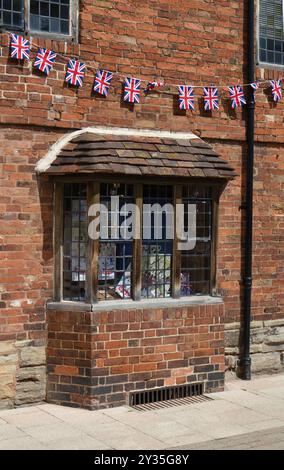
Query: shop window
[141,260]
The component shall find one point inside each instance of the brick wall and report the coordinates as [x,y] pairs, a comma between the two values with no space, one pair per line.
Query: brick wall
[94,359]
[192,42]
[196,42]
[25,265]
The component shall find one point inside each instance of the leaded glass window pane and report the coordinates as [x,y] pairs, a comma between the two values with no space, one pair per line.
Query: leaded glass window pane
[74,241]
[196,262]
[157,246]
[115,245]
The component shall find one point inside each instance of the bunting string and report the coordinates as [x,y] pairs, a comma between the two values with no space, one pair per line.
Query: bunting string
[76,71]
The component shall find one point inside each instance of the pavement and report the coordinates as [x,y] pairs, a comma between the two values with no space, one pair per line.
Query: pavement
[248,415]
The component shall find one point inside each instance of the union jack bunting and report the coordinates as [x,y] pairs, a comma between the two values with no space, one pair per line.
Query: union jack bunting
[75,72]
[237,96]
[132,90]
[276,89]
[44,60]
[186,99]
[102,82]
[20,47]
[211,100]
[152,85]
[255,86]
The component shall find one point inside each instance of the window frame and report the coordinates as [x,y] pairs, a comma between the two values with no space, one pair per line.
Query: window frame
[92,253]
[74,25]
[259,63]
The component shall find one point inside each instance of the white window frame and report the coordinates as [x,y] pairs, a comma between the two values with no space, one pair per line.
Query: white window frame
[266,65]
[74,24]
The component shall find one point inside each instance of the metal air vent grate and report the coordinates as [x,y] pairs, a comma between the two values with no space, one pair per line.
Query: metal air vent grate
[167,396]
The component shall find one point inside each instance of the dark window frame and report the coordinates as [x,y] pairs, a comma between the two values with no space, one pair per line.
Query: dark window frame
[93,196]
[26,29]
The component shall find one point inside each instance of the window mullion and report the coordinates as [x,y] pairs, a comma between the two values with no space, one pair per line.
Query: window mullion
[26,15]
[214,239]
[58,242]
[176,259]
[137,244]
[93,197]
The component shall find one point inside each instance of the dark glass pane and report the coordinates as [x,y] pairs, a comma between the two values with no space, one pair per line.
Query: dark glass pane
[7,17]
[34,7]
[44,9]
[278,58]
[64,12]
[64,27]
[7,4]
[54,25]
[262,55]
[17,19]
[54,10]
[262,43]
[17,5]
[44,24]
[34,22]
[278,46]
[270,44]
[270,57]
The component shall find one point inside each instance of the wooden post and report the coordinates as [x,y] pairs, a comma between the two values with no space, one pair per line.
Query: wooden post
[176,259]
[93,197]
[57,242]
[137,244]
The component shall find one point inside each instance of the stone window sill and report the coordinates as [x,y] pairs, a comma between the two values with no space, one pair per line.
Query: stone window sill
[133,304]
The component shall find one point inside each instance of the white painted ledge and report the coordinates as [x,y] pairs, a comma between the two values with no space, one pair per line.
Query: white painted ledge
[45,162]
[108,305]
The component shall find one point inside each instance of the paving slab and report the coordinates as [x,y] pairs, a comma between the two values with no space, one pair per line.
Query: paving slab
[271,439]
[248,415]
[22,443]
[9,431]
[33,418]
[82,443]
[52,432]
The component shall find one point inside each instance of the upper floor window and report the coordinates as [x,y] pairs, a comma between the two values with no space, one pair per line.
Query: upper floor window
[270,32]
[45,17]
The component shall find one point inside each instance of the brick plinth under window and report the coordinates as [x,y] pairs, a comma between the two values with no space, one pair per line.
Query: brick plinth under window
[96,358]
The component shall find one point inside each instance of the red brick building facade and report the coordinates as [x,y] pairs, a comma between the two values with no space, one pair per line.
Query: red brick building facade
[94,356]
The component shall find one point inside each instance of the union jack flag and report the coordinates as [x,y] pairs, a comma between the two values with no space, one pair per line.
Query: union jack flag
[276,89]
[75,72]
[255,86]
[186,99]
[237,96]
[132,90]
[102,82]
[211,100]
[20,47]
[152,85]
[44,60]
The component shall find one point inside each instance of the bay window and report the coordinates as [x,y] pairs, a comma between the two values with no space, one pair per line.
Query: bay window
[141,260]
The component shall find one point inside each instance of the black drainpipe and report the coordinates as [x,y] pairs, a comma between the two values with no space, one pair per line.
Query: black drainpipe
[245,360]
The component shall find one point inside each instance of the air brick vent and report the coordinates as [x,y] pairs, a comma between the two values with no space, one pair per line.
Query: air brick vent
[167,396]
